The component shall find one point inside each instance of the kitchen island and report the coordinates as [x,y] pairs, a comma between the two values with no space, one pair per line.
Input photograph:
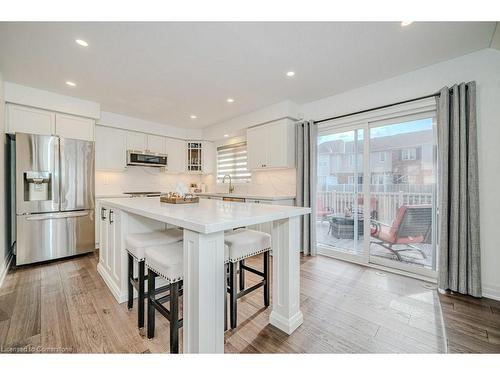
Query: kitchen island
[204,224]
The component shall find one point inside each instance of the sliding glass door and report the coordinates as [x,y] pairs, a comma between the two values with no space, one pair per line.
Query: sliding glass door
[402,192]
[340,203]
[376,192]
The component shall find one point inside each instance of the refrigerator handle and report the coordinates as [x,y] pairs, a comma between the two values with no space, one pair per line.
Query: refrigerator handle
[58,215]
[111,216]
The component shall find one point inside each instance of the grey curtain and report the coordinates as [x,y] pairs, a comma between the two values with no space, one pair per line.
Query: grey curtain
[459,248]
[306,182]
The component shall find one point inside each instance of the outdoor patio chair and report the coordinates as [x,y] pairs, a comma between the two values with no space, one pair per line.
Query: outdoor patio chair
[322,212]
[412,225]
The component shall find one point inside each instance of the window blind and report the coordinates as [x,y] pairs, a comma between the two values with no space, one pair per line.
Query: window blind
[232,160]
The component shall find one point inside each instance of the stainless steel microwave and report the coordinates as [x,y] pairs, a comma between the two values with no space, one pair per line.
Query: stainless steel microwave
[146,159]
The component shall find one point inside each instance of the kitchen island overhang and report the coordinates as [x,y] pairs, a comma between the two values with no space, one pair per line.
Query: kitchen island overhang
[204,224]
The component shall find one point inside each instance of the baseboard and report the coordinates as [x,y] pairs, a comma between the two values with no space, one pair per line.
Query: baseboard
[491,291]
[4,267]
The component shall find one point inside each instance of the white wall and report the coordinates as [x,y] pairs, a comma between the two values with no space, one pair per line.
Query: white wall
[236,126]
[4,249]
[484,68]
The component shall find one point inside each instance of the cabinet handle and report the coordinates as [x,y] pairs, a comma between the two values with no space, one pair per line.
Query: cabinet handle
[111,214]
[103,213]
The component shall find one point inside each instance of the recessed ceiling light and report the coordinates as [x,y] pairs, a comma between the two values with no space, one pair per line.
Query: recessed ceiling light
[226,135]
[81,42]
[406,23]
[230,100]
[193,117]
[290,74]
[72,84]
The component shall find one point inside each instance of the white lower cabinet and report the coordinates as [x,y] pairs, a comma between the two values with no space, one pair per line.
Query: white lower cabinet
[110,256]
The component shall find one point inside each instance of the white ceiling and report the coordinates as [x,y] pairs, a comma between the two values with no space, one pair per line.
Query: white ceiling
[165,72]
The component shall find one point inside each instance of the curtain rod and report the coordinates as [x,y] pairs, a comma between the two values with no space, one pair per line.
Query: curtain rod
[375,108]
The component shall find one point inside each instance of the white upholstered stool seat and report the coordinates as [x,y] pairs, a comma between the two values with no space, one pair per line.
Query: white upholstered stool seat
[166,261]
[244,243]
[137,243]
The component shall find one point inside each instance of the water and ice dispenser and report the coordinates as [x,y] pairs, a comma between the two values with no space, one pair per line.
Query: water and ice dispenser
[37,186]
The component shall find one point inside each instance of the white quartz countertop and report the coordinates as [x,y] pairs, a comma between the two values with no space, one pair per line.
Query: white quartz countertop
[248,196]
[207,216]
[117,195]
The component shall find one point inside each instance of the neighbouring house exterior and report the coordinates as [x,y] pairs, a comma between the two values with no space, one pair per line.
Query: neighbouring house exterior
[397,162]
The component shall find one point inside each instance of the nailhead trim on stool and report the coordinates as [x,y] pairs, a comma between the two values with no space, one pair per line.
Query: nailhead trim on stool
[136,245]
[242,244]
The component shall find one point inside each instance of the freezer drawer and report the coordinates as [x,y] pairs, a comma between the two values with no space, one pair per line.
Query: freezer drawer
[49,236]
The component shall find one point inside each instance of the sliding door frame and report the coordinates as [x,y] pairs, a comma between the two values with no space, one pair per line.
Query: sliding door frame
[418,109]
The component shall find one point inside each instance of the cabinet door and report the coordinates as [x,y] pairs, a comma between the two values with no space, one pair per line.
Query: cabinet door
[208,157]
[257,147]
[136,141]
[103,239]
[114,245]
[110,151]
[276,146]
[156,144]
[176,151]
[74,127]
[29,120]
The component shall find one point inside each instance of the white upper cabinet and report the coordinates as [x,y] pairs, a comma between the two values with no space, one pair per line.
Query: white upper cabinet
[75,127]
[257,147]
[271,145]
[21,119]
[176,155]
[136,141]
[110,149]
[208,157]
[145,142]
[155,144]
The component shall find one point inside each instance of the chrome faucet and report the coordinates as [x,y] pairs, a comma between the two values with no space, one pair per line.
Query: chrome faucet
[231,187]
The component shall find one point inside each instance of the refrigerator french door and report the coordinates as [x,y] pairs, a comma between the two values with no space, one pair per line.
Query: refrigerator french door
[54,197]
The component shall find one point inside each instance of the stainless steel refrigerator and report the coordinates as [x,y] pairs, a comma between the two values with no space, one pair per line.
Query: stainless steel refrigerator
[52,197]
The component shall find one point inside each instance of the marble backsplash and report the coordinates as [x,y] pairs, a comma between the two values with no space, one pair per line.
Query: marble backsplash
[270,182]
[140,179]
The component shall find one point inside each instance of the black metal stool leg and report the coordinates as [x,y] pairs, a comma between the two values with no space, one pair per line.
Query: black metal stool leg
[130,287]
[225,295]
[233,294]
[267,283]
[242,275]
[174,317]
[140,298]
[151,308]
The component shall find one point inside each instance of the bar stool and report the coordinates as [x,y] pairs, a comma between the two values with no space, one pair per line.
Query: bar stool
[242,244]
[166,262]
[136,245]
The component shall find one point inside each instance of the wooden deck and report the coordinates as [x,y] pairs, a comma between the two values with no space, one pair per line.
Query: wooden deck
[64,306]
[412,257]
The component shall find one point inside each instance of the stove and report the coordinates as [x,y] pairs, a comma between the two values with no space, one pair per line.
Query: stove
[142,194]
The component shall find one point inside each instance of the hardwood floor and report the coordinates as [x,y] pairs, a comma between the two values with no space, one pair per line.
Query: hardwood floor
[64,306]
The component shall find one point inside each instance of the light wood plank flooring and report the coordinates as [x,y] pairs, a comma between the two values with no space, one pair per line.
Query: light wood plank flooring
[64,306]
